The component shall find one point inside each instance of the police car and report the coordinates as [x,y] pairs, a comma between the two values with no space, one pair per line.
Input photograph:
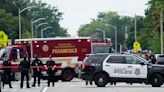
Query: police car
[105,68]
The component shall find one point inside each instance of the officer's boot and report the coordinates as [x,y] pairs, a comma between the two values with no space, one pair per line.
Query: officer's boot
[86,83]
[10,85]
[53,84]
[28,85]
[91,83]
[33,85]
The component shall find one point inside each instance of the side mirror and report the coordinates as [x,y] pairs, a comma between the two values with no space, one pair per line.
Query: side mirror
[142,63]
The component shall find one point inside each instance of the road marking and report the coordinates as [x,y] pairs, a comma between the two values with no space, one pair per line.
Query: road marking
[14,90]
[44,89]
[71,85]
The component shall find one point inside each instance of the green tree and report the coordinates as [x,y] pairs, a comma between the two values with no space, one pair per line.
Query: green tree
[8,24]
[52,15]
[9,13]
[151,31]
[9,16]
[12,6]
[106,21]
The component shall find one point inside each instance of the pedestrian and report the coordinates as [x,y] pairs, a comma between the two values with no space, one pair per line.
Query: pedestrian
[153,59]
[36,63]
[7,73]
[24,68]
[50,67]
[146,57]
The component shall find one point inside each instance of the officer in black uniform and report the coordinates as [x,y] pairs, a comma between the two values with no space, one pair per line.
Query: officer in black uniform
[36,63]
[90,82]
[24,67]
[50,66]
[7,73]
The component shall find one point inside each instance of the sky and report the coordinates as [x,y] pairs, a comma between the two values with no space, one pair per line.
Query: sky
[80,12]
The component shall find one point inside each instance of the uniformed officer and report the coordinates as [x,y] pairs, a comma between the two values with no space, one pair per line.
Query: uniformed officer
[24,67]
[90,82]
[50,66]
[36,63]
[7,73]
[113,83]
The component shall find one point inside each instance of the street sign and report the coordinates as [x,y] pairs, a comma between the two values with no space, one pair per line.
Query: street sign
[136,46]
[3,39]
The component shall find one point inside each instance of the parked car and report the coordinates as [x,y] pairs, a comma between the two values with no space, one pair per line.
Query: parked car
[159,58]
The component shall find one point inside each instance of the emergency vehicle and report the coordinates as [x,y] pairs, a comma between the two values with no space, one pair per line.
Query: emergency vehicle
[130,68]
[66,52]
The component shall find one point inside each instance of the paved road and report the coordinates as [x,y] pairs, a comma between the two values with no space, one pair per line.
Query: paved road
[79,86]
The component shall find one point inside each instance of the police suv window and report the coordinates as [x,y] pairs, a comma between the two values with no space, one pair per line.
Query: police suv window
[95,59]
[132,60]
[116,59]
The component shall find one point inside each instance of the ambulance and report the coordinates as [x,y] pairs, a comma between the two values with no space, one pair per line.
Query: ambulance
[68,53]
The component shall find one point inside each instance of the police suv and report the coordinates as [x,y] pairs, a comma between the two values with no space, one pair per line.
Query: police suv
[105,68]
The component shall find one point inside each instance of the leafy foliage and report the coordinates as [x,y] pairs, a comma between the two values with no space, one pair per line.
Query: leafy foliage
[9,18]
[148,27]
[8,23]
[152,25]
[107,22]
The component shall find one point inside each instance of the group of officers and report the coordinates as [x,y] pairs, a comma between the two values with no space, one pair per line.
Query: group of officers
[25,66]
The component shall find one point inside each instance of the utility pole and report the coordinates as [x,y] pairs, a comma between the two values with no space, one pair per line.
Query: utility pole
[126,37]
[126,33]
[32,29]
[120,48]
[20,33]
[161,29]
[135,27]
[116,39]
[19,14]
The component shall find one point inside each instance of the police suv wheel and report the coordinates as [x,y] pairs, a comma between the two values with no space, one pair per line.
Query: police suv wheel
[101,80]
[156,80]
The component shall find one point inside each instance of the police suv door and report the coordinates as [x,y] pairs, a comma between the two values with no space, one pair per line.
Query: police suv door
[115,66]
[133,64]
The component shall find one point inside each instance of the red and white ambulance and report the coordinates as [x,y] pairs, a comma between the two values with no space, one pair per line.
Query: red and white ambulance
[66,52]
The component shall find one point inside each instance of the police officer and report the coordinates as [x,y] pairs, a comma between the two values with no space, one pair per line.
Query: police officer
[7,73]
[36,63]
[113,83]
[50,66]
[24,67]
[90,82]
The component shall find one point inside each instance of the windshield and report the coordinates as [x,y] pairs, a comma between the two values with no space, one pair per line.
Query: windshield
[144,60]
[3,53]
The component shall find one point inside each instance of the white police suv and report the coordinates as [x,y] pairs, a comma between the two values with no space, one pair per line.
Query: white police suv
[105,68]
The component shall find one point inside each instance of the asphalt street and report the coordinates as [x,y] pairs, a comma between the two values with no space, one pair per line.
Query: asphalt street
[77,85]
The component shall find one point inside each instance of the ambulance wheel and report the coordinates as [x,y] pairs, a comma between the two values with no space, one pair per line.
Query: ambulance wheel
[101,79]
[156,80]
[67,75]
